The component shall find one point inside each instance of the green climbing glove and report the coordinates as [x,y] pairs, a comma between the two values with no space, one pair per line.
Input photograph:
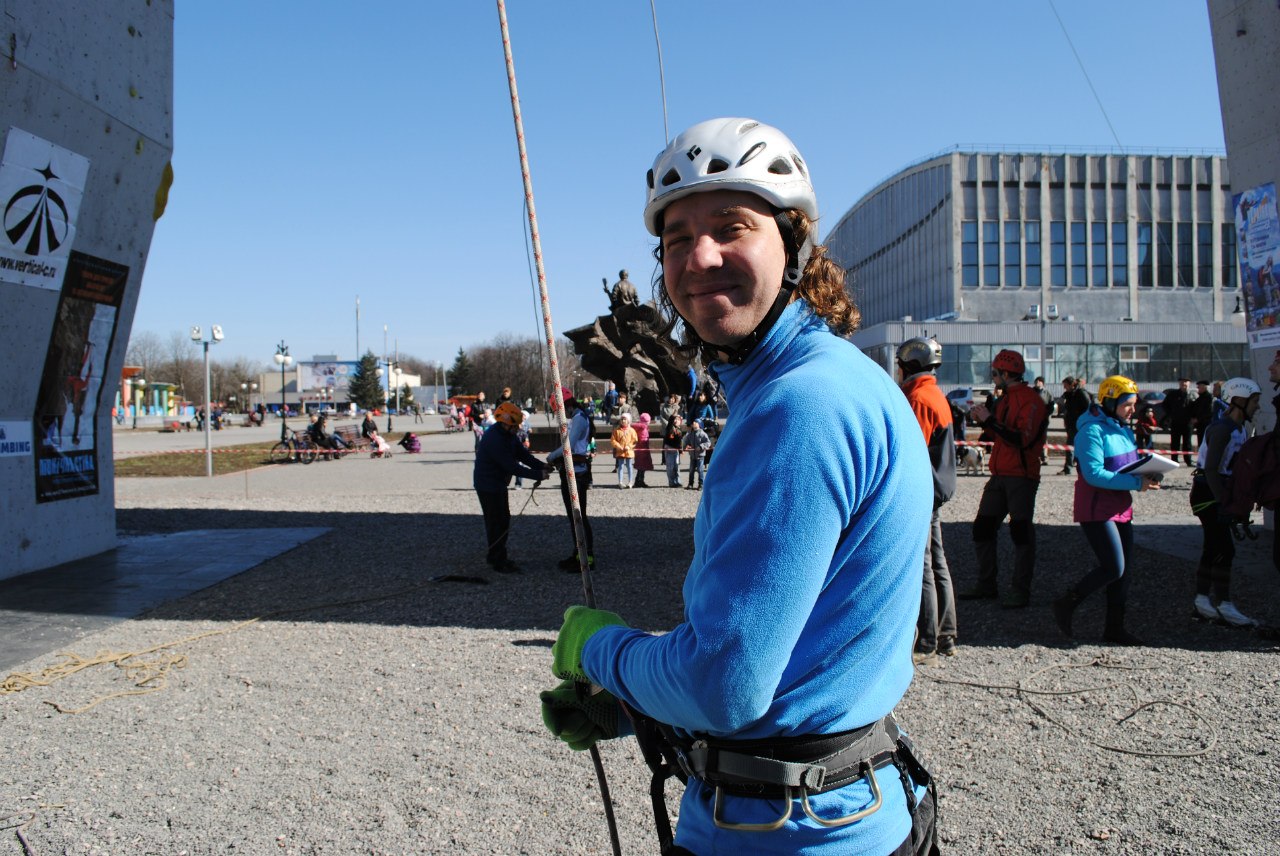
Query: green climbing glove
[580,624]
[578,718]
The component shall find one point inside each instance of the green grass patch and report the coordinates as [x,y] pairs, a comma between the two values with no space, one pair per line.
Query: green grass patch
[228,459]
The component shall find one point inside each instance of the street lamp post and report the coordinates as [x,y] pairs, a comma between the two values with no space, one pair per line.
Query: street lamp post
[215,336]
[283,360]
[139,387]
[396,371]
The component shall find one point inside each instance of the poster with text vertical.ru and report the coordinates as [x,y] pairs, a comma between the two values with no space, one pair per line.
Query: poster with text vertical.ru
[1258,240]
[71,385]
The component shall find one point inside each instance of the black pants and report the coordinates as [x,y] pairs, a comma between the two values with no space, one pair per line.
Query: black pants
[1180,440]
[581,480]
[497,523]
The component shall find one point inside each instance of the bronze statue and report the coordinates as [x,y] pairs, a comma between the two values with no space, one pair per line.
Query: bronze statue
[626,348]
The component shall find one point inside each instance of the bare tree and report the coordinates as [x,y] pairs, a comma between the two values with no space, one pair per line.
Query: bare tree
[145,350]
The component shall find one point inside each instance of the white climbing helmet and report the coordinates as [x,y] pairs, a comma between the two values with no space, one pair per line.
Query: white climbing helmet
[730,154]
[1239,387]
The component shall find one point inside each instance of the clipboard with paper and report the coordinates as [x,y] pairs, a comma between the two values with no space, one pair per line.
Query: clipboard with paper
[1150,464]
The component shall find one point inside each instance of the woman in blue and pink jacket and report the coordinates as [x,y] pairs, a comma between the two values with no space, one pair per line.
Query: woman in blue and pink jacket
[1104,504]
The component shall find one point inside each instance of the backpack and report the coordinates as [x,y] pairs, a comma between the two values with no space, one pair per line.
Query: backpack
[1255,476]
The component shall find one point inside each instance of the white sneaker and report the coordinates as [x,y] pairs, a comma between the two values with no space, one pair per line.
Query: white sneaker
[1233,616]
[1205,608]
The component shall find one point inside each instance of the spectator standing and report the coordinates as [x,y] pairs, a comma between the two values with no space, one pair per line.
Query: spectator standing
[1048,399]
[798,620]
[918,359]
[672,439]
[1222,440]
[580,447]
[1018,426]
[644,457]
[609,401]
[624,407]
[697,444]
[624,441]
[522,435]
[1179,404]
[1075,401]
[1202,410]
[499,457]
[1144,428]
[1104,506]
[670,408]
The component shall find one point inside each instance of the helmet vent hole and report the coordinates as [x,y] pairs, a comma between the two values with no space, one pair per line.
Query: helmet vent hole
[670,178]
[747,126]
[717,165]
[649,179]
[751,152]
[800,165]
[780,166]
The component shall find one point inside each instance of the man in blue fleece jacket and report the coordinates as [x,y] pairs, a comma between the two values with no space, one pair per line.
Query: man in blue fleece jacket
[802,596]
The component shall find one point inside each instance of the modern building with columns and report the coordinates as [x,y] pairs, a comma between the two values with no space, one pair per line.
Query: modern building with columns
[1115,262]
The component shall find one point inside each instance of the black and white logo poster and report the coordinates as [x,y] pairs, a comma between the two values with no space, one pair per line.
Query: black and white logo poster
[71,386]
[41,186]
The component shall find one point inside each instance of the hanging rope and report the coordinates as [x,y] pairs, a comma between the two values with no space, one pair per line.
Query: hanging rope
[570,483]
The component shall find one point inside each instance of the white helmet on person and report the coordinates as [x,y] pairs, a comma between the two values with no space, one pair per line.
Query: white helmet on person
[730,154]
[1239,387]
[924,352]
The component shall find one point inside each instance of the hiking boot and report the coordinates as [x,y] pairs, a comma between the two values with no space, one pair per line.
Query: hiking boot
[978,593]
[924,658]
[1063,608]
[947,646]
[1015,599]
[1233,616]
[1205,609]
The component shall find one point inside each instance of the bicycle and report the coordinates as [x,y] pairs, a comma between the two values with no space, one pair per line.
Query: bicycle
[296,447]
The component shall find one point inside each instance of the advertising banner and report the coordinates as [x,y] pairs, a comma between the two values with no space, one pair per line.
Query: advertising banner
[335,375]
[71,386]
[41,186]
[1258,235]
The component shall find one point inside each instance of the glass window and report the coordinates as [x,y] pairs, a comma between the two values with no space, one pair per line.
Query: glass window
[1134,353]
[969,252]
[990,253]
[1145,279]
[1057,253]
[1098,237]
[1229,260]
[1164,254]
[1013,253]
[1119,255]
[1079,256]
[1031,231]
[1186,270]
[1204,264]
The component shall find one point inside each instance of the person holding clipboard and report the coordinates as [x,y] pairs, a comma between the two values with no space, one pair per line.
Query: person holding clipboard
[1105,447]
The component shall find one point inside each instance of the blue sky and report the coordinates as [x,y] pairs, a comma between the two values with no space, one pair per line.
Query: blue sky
[325,151]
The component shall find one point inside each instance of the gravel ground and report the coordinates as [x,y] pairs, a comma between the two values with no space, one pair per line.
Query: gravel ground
[375,711]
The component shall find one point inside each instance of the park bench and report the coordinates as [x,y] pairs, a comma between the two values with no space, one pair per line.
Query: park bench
[350,435]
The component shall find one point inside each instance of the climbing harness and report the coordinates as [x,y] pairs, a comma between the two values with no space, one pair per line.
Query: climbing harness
[786,768]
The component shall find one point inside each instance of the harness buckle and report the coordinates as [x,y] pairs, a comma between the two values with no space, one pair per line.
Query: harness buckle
[868,773]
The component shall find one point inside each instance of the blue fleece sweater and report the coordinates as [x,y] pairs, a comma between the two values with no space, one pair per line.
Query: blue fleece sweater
[802,596]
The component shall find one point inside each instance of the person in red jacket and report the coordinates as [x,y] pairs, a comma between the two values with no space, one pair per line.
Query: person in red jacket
[918,359]
[1018,423]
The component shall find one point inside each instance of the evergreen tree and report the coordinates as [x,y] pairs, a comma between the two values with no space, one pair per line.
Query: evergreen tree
[366,387]
[406,398]
[460,375]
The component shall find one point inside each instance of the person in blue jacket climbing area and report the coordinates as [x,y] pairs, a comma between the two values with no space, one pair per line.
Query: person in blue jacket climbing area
[774,697]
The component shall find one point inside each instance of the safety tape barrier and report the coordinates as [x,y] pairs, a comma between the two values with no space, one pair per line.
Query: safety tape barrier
[1061,447]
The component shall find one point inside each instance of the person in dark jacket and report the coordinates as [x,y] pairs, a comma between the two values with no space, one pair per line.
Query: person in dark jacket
[1179,404]
[918,360]
[1202,410]
[500,456]
[1075,401]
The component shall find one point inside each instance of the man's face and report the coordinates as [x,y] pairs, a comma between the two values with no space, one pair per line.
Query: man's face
[1255,401]
[999,379]
[723,262]
[1184,385]
[1273,371]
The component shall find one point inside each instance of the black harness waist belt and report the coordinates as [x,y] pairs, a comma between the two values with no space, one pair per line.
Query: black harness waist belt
[769,768]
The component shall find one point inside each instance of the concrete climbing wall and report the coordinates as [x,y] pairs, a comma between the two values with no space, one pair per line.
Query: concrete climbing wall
[86,131]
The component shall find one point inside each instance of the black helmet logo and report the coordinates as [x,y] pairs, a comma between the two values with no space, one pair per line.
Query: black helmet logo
[36,218]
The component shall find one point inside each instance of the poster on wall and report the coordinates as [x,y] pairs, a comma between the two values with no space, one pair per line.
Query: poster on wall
[71,385]
[1258,240]
[41,186]
[331,375]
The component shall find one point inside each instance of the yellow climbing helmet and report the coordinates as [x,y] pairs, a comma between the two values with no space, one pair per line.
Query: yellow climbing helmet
[1116,386]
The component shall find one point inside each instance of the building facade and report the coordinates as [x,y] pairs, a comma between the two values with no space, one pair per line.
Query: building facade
[1108,262]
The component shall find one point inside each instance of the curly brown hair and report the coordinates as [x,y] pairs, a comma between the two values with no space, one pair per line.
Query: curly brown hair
[822,287]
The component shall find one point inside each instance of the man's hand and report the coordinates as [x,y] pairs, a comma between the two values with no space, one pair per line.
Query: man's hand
[578,718]
[580,624]
[979,413]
